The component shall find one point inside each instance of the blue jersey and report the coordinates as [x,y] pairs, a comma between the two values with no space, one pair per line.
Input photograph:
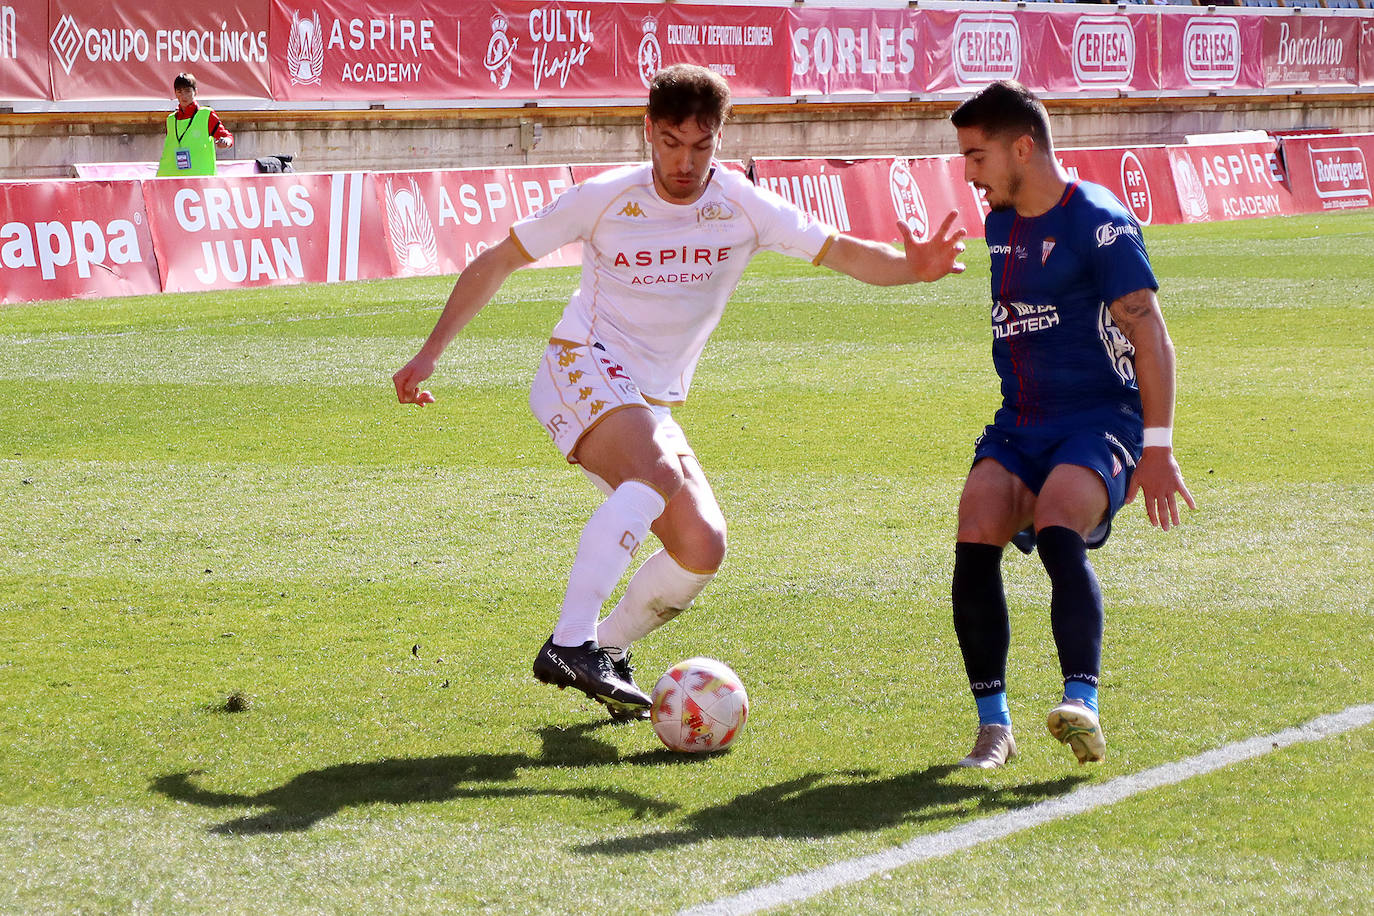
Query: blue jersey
[1062,360]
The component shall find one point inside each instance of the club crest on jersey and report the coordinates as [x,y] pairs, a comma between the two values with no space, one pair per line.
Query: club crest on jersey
[1045,248]
[632,209]
[717,210]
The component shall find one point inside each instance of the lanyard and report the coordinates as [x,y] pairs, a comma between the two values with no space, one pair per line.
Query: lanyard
[182,133]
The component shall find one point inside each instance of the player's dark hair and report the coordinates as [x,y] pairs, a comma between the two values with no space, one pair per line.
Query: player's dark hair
[184,81]
[686,92]
[1006,107]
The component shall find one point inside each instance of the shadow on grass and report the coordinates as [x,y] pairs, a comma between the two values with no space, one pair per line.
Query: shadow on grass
[825,804]
[316,795]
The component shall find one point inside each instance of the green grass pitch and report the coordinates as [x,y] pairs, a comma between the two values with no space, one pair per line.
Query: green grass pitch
[216,495]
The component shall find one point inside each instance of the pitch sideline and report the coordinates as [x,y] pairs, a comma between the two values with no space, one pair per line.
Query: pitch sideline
[805,885]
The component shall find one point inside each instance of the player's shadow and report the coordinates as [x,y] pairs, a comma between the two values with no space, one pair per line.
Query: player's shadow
[315,795]
[825,804]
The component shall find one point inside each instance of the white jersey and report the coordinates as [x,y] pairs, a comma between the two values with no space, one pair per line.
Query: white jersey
[656,275]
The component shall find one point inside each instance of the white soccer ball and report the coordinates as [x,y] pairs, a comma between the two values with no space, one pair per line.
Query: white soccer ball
[699,706]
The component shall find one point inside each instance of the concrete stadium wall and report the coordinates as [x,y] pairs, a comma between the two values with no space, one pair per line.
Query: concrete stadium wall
[45,145]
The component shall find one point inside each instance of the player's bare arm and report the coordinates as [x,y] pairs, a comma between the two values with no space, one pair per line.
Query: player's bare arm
[884,265]
[1157,475]
[473,290]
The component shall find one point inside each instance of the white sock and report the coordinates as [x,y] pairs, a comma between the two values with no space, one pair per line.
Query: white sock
[609,541]
[658,591]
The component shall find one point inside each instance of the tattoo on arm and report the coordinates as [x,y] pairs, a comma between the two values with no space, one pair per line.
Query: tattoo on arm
[1133,308]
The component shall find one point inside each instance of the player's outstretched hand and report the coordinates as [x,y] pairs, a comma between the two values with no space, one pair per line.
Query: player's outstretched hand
[938,257]
[408,378]
[1157,476]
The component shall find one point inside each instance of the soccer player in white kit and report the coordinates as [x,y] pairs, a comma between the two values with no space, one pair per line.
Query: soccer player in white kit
[664,245]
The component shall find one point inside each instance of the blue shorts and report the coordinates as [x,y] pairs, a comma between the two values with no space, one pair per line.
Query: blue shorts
[1031,454]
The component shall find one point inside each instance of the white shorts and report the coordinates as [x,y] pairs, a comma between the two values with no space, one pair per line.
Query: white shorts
[577,385]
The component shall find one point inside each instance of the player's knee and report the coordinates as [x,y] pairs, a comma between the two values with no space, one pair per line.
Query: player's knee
[700,548]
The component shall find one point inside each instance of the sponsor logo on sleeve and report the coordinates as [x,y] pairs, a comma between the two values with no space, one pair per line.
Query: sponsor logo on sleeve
[1211,51]
[1107,233]
[987,46]
[1103,51]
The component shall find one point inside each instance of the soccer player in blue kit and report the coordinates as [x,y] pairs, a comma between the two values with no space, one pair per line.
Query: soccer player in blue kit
[1087,374]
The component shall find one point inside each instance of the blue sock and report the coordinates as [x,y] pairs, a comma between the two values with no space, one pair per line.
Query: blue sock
[1081,690]
[992,710]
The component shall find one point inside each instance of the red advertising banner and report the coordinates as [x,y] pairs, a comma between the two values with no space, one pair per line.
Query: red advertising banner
[65,239]
[746,45]
[223,233]
[123,49]
[1310,50]
[1236,181]
[867,197]
[1367,51]
[437,222]
[339,49]
[1211,52]
[1141,177]
[938,186]
[1075,51]
[1049,51]
[1330,172]
[970,49]
[24,50]
[522,50]
[837,51]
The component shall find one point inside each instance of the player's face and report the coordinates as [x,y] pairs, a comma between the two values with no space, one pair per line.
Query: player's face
[681,155]
[991,165]
[185,96]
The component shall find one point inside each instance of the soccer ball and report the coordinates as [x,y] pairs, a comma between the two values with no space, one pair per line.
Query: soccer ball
[698,706]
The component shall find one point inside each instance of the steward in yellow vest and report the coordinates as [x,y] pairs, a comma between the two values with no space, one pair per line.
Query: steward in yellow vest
[192,134]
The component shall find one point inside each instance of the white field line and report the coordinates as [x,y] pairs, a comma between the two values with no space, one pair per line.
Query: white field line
[809,884]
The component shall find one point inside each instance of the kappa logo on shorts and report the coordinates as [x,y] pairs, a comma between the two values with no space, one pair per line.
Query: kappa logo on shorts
[632,209]
[597,406]
[567,355]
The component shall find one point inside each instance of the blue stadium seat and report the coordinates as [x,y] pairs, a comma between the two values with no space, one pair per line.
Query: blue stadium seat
[1344,5]
[1260,3]
[1308,4]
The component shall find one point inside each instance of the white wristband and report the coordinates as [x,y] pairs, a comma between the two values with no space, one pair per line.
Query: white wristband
[1159,437]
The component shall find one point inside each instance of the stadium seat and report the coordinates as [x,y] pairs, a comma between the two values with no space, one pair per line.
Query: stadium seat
[1260,3]
[1344,5]
[1307,4]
